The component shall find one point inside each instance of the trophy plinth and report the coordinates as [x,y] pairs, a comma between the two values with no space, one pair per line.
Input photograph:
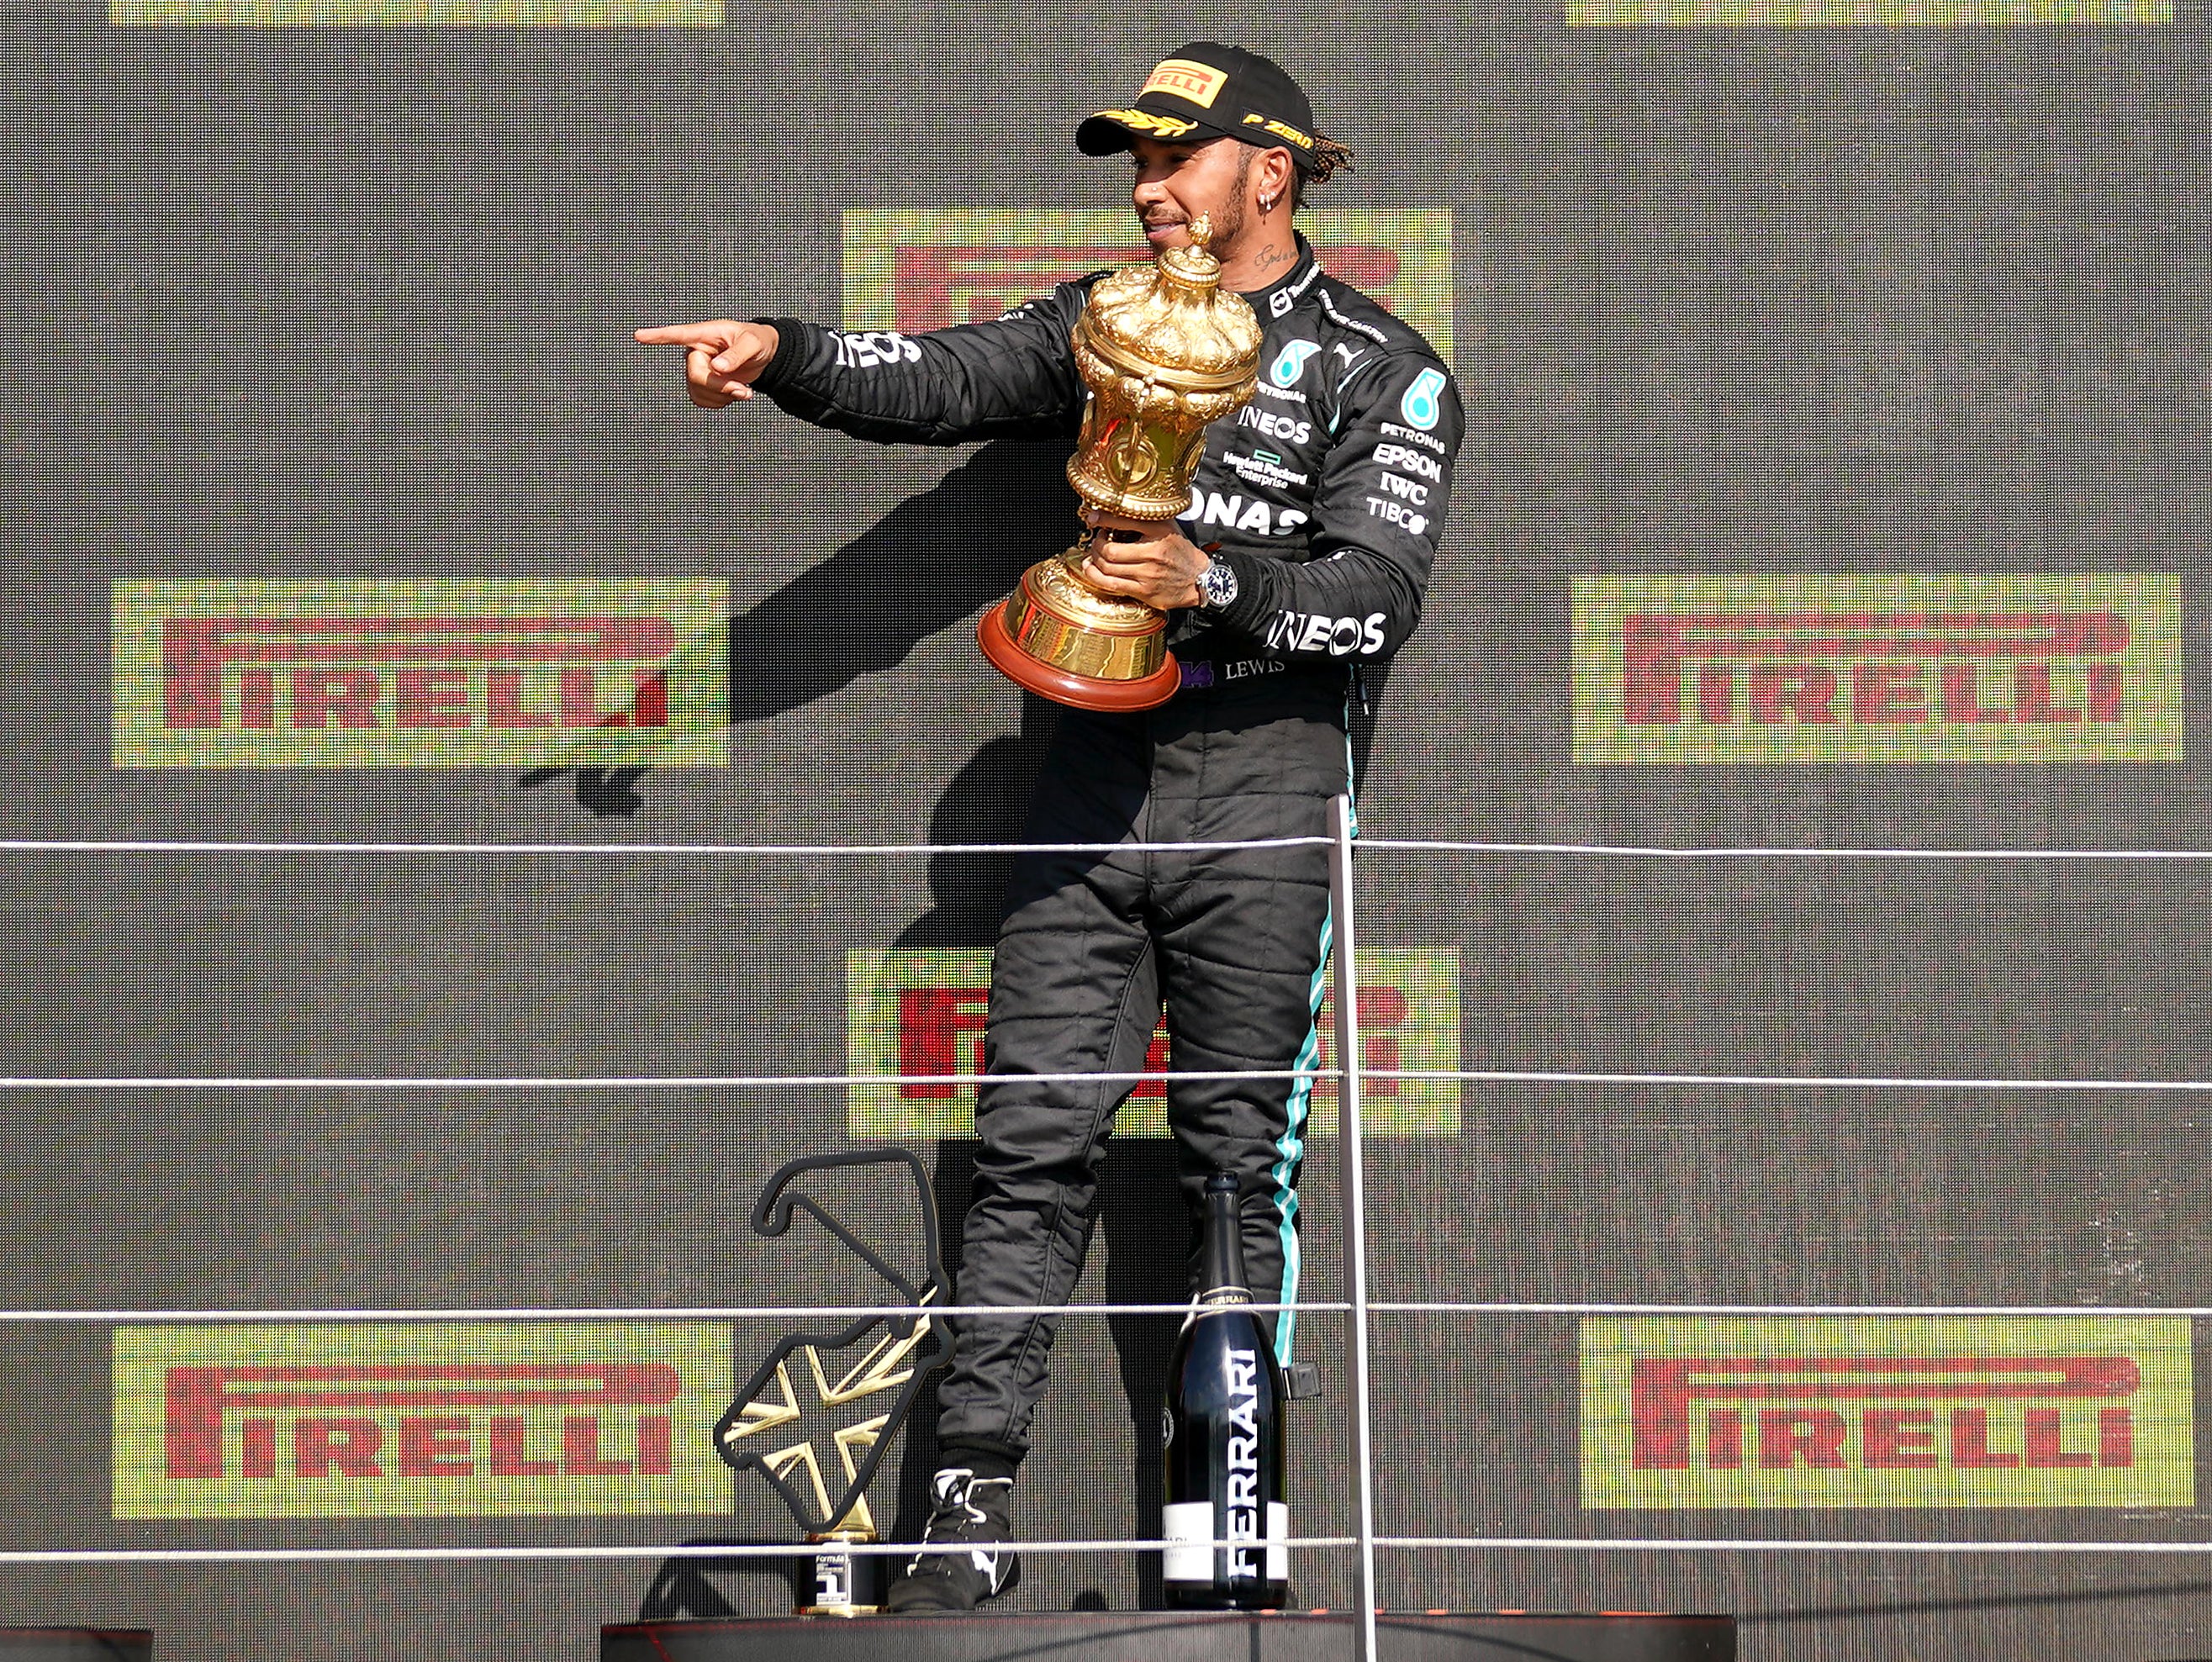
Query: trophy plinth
[1164,353]
[845,1584]
[1067,641]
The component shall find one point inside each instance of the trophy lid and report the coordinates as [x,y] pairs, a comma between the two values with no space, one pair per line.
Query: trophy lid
[1170,321]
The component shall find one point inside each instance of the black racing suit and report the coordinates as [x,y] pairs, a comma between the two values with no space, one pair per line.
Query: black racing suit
[1325,495]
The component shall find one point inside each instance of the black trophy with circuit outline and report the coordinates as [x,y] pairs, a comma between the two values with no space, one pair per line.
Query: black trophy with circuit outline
[853,1388]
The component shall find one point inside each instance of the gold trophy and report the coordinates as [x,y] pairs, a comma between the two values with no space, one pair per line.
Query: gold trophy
[1164,353]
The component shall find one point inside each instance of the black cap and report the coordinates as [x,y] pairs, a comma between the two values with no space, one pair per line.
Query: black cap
[1206,90]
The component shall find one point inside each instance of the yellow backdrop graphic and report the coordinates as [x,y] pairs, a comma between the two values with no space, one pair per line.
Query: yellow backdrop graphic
[559,14]
[1888,14]
[910,271]
[444,1419]
[1882,1411]
[920,1013]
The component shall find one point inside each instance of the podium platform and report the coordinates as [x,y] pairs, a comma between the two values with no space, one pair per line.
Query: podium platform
[1174,1636]
[76,1644]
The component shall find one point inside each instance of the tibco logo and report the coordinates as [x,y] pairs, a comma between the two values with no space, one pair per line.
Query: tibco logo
[1904,1413]
[369,1421]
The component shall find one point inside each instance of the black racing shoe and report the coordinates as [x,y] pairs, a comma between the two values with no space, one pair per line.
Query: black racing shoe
[970,1517]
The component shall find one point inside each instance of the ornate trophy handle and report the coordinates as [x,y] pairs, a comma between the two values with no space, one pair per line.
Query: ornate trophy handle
[772,1215]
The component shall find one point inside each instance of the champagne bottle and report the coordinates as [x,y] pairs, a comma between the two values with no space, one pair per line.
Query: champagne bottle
[1223,1436]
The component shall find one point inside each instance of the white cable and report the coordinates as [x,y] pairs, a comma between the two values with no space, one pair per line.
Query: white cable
[770,851]
[648,1312]
[744,1081]
[1634,851]
[765,851]
[616,1082]
[1815,1082]
[641,1312]
[901,1549]
[689,1550]
[1577,1544]
[1994,1312]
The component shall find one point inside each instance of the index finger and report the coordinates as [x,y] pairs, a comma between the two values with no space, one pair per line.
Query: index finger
[681,334]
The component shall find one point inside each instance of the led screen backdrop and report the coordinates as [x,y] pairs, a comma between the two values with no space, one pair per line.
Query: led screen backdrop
[1834,480]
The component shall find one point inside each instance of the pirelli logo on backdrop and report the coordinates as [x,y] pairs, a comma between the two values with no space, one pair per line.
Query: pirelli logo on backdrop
[502,14]
[439,1420]
[1908,668]
[920,1013]
[910,271]
[1875,13]
[2089,1412]
[420,672]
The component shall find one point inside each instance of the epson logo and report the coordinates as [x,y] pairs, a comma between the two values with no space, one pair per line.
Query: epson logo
[1411,460]
[1241,1501]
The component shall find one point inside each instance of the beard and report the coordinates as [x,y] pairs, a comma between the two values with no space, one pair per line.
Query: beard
[1228,217]
[1229,222]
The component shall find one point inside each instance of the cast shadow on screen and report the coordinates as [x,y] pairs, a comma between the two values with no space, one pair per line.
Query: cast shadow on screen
[1146,1264]
[928,565]
[683,1590]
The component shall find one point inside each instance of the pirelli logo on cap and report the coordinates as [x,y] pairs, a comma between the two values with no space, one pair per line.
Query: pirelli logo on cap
[911,271]
[1186,79]
[447,1419]
[915,1014]
[1909,669]
[1684,1412]
[420,672]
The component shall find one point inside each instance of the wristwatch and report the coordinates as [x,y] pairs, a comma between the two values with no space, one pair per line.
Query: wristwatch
[1217,585]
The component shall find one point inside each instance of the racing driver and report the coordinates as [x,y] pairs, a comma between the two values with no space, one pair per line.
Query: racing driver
[1304,556]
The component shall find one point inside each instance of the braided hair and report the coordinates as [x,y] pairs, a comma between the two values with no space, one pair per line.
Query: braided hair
[1328,156]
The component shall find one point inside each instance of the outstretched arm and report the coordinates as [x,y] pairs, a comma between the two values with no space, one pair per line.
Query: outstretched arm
[1013,377]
